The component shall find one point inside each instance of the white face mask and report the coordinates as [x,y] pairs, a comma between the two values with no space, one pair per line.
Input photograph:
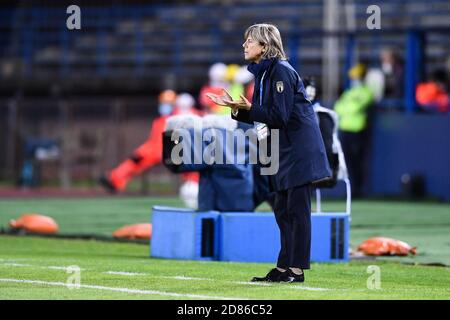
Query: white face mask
[310,93]
[387,68]
[164,109]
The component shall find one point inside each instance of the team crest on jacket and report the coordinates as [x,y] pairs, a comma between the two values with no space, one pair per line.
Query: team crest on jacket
[280,86]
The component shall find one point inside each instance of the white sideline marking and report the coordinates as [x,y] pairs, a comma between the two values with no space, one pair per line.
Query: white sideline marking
[184,278]
[55,268]
[11,264]
[311,288]
[124,290]
[289,287]
[59,268]
[263,284]
[124,273]
[130,274]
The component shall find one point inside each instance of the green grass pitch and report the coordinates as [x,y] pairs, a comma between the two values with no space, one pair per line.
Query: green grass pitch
[35,267]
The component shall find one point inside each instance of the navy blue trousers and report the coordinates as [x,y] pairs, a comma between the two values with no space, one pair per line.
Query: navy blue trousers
[293,215]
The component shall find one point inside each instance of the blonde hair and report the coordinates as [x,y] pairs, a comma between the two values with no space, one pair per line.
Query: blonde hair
[269,36]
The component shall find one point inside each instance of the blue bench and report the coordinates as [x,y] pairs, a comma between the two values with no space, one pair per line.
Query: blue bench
[240,236]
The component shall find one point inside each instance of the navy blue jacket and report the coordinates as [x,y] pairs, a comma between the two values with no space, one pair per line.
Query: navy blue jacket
[302,156]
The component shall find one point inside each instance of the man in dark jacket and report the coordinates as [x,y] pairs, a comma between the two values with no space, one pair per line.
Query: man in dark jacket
[279,103]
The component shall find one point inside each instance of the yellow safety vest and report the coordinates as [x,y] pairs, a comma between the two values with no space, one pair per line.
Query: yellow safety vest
[352,108]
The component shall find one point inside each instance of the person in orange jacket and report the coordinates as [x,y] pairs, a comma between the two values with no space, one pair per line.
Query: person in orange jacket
[433,95]
[149,153]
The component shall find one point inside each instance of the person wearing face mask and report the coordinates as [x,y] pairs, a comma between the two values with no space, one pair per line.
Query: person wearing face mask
[353,108]
[149,153]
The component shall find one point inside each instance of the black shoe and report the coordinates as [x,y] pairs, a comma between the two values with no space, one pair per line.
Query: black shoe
[104,181]
[273,276]
[290,276]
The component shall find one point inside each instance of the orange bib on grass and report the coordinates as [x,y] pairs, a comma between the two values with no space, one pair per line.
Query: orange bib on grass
[380,246]
[135,231]
[35,223]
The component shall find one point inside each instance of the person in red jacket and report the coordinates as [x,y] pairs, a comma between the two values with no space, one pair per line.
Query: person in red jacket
[146,155]
[149,153]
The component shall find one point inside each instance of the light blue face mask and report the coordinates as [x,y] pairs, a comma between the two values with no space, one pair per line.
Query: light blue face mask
[164,109]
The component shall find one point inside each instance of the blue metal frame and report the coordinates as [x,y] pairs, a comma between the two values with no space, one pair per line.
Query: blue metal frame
[414,63]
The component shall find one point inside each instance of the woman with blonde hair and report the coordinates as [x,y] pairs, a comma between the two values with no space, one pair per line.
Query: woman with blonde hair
[280,103]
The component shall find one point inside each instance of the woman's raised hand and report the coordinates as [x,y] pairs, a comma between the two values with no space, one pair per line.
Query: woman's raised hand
[220,100]
[239,104]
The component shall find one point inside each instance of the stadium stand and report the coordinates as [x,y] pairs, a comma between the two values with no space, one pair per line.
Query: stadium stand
[126,52]
[160,42]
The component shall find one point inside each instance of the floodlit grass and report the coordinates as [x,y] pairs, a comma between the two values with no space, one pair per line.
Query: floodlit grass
[421,224]
[34,267]
[87,216]
[117,270]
